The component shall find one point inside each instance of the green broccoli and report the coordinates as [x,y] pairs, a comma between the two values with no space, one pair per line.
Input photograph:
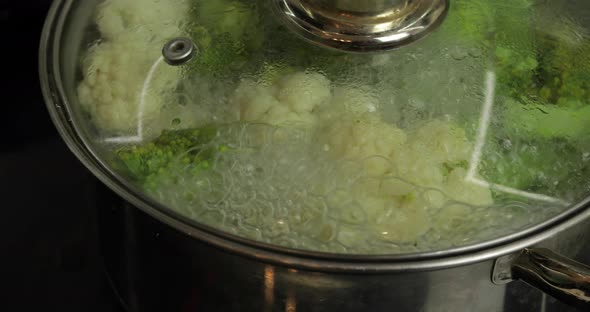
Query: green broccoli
[470,22]
[501,34]
[554,101]
[227,34]
[543,121]
[514,47]
[236,37]
[556,167]
[565,71]
[544,115]
[146,164]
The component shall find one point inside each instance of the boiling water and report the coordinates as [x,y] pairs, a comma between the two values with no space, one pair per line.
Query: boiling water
[475,132]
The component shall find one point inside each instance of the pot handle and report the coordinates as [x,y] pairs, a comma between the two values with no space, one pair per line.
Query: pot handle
[554,274]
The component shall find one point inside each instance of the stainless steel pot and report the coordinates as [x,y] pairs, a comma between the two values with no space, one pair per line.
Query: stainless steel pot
[165,269]
[468,278]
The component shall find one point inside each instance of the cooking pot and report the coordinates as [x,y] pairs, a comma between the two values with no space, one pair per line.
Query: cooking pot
[466,274]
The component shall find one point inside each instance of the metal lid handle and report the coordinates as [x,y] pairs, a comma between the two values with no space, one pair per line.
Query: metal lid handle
[362,26]
[556,275]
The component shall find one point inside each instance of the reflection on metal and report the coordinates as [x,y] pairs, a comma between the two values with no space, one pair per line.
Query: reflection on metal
[178,51]
[484,124]
[291,304]
[317,281]
[269,287]
[140,109]
[362,26]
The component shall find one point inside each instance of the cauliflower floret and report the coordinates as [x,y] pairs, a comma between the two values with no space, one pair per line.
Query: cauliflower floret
[397,220]
[452,216]
[356,99]
[458,188]
[253,101]
[113,81]
[423,158]
[116,69]
[362,137]
[417,167]
[291,100]
[428,149]
[304,91]
[444,142]
[407,178]
[148,20]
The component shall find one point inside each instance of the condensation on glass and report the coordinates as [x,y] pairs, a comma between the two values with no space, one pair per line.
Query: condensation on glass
[477,131]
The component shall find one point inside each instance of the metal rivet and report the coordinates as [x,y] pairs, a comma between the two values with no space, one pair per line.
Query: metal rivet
[179,51]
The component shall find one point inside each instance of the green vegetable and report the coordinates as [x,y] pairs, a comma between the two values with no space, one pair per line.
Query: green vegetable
[470,21]
[550,87]
[565,70]
[549,63]
[237,36]
[556,168]
[146,164]
[227,33]
[542,121]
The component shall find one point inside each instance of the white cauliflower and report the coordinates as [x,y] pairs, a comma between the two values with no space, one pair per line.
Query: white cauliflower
[428,149]
[361,137]
[291,100]
[304,91]
[348,125]
[148,20]
[116,69]
[397,219]
[410,175]
[356,99]
[398,209]
[429,156]
[459,189]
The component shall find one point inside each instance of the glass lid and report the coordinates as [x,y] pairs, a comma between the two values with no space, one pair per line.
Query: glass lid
[257,124]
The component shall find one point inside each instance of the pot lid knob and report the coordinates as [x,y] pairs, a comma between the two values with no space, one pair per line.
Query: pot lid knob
[362,26]
[178,51]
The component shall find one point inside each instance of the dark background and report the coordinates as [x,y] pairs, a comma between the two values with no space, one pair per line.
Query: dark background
[49,258]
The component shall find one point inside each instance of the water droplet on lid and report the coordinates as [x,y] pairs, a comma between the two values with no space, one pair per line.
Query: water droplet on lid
[475,52]
[459,54]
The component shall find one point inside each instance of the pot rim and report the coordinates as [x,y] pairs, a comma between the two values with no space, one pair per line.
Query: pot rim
[69,129]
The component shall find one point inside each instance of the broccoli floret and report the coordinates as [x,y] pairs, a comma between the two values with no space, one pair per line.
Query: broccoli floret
[227,33]
[470,21]
[237,36]
[514,47]
[555,167]
[565,71]
[545,72]
[545,121]
[501,31]
[516,70]
[145,164]
[551,103]
[239,20]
